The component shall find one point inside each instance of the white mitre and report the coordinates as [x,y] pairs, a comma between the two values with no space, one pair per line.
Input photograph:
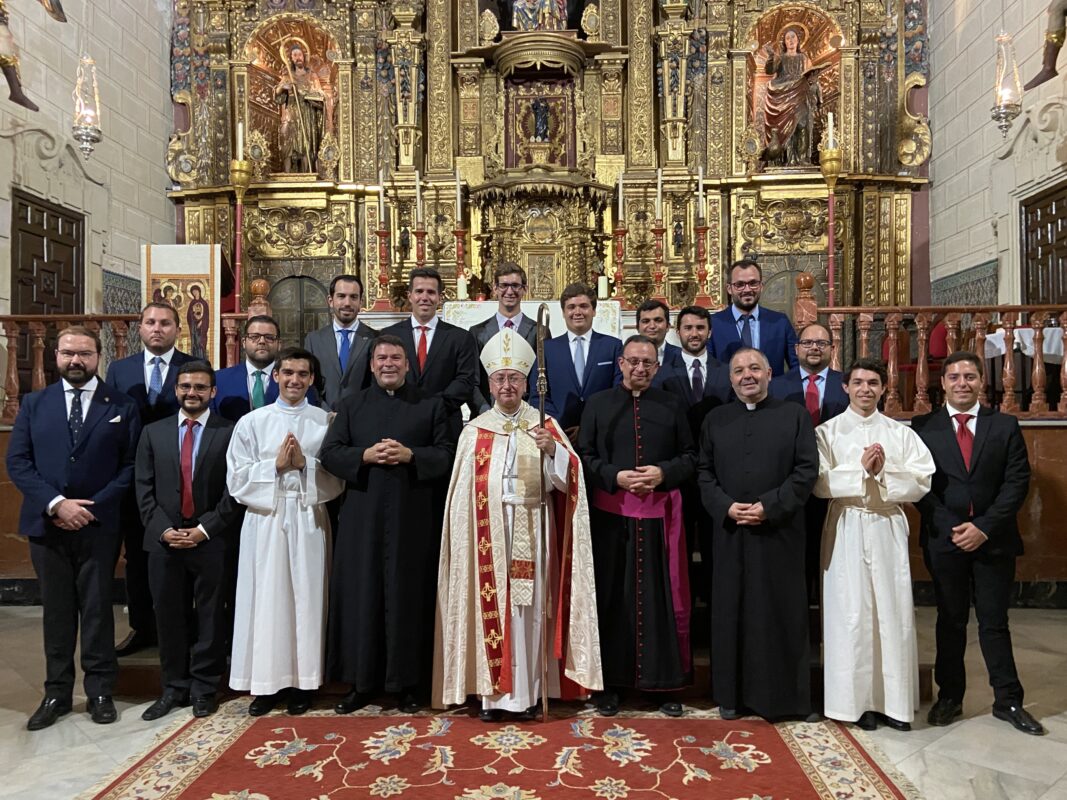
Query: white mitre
[508,350]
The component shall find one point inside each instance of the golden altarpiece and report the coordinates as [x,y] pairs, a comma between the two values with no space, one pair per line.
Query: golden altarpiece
[527,117]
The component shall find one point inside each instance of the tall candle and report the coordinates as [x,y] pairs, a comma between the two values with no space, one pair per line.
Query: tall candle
[602,287]
[418,198]
[240,141]
[461,288]
[659,194]
[700,192]
[459,204]
[830,134]
[381,199]
[620,216]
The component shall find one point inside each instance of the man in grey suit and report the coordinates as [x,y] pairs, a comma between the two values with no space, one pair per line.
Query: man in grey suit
[342,346]
[509,284]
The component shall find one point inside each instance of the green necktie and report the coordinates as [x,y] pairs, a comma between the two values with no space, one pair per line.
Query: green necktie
[258,400]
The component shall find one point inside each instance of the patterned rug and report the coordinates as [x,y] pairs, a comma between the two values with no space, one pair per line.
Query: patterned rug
[321,756]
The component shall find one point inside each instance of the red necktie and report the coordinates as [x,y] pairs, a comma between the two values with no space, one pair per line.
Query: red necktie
[188,509]
[509,324]
[964,437]
[422,347]
[811,400]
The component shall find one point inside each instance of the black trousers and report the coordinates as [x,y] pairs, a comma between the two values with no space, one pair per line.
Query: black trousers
[138,592]
[986,579]
[190,589]
[76,572]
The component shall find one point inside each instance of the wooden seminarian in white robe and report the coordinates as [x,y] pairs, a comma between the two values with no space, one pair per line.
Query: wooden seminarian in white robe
[870,654]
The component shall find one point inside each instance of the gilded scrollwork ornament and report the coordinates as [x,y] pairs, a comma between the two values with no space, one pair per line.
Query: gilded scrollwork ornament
[913,135]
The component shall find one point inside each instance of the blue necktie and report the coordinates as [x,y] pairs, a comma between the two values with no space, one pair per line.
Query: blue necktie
[155,381]
[346,345]
[746,330]
[75,420]
[579,360]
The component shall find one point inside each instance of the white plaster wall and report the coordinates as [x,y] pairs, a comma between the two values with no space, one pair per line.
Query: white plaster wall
[965,194]
[121,187]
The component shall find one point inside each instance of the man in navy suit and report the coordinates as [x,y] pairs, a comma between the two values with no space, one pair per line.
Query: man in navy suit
[579,363]
[821,390]
[148,378]
[745,323]
[71,455]
[653,321]
[250,384]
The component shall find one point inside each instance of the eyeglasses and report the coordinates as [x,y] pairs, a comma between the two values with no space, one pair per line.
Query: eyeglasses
[269,338]
[511,287]
[641,362]
[84,355]
[199,388]
[814,344]
[739,285]
[510,380]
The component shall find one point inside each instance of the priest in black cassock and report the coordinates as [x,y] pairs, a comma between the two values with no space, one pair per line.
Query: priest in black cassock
[637,449]
[392,446]
[758,464]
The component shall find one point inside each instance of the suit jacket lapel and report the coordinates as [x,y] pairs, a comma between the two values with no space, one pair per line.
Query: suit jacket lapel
[329,345]
[100,405]
[359,343]
[981,433]
[206,437]
[590,361]
[949,443]
[440,334]
[527,327]
[56,408]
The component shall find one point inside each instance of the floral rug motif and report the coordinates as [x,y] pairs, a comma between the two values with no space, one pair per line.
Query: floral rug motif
[576,754]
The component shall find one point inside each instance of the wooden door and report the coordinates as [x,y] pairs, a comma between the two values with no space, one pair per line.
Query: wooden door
[298,303]
[47,271]
[1044,256]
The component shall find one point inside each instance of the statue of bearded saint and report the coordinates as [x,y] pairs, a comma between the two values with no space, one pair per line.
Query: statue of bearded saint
[307,111]
[539,15]
[9,52]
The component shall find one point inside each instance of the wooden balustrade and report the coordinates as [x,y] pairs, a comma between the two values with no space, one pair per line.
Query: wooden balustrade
[855,329]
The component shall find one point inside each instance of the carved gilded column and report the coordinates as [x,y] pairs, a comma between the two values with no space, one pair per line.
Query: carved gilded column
[365,107]
[738,77]
[406,46]
[346,165]
[611,133]
[641,142]
[611,22]
[468,72]
[850,137]
[902,248]
[468,24]
[218,47]
[439,87]
[673,40]
[720,123]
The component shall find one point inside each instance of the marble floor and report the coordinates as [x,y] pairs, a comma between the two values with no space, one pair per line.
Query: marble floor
[976,758]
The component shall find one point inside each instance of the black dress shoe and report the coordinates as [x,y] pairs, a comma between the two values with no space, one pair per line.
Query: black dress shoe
[1020,719]
[51,709]
[163,706]
[491,715]
[102,710]
[263,704]
[299,702]
[607,704]
[944,711]
[205,706]
[868,721]
[529,715]
[730,713]
[671,709]
[409,704]
[133,642]
[895,724]
[353,701]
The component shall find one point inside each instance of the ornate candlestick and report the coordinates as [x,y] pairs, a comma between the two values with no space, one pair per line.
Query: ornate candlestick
[703,299]
[830,164]
[383,302]
[240,177]
[620,257]
[659,271]
[420,244]
[461,263]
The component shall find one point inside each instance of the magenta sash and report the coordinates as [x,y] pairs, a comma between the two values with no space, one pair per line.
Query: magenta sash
[665,506]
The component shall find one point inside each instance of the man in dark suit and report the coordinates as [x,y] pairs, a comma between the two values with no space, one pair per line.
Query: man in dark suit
[442,358]
[186,535]
[821,391]
[71,456]
[653,321]
[250,384]
[745,323]
[509,283]
[970,538]
[147,377]
[579,363]
[342,346]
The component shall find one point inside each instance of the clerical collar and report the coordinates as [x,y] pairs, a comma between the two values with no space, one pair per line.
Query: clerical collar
[751,406]
[282,404]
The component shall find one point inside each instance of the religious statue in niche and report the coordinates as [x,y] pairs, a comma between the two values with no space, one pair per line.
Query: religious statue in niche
[539,15]
[1054,36]
[9,52]
[539,107]
[792,103]
[307,101]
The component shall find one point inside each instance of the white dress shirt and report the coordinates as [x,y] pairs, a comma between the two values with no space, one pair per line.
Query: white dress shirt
[516,321]
[417,334]
[164,365]
[338,338]
[252,368]
[972,423]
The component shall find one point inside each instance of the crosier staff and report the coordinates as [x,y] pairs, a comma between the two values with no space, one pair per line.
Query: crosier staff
[542,391]
[299,105]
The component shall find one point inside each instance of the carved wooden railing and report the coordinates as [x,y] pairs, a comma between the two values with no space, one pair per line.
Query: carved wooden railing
[859,322]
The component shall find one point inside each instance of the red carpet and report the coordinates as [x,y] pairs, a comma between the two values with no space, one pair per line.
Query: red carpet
[233,757]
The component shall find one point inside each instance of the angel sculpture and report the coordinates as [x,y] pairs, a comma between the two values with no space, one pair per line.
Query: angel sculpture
[9,52]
